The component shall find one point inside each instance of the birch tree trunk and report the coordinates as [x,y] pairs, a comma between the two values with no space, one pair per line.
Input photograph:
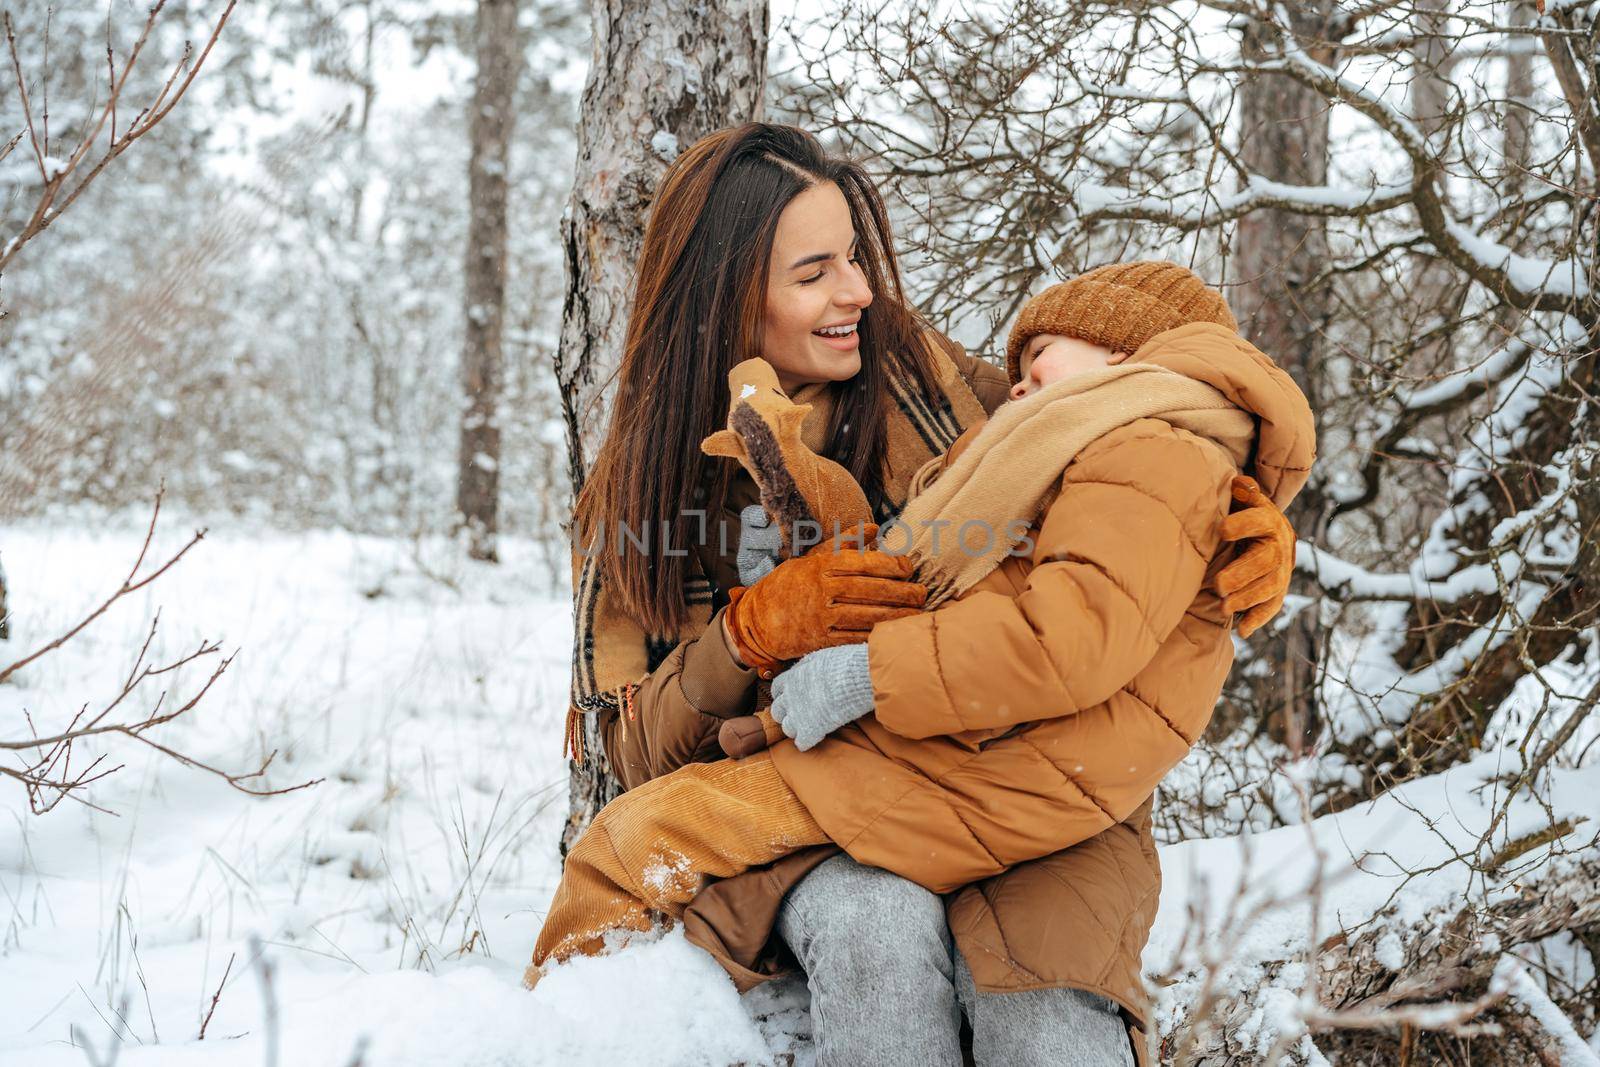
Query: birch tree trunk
[1275,253]
[662,75]
[493,114]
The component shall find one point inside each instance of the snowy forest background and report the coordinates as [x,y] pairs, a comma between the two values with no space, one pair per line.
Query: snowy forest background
[298,797]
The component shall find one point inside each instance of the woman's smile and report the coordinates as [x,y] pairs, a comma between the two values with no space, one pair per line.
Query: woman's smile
[841,337]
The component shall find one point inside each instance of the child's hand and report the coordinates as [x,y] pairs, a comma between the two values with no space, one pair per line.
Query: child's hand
[821,693]
[1256,583]
[745,735]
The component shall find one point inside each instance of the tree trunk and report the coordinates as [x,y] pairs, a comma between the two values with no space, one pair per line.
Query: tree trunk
[1430,78]
[493,113]
[1519,97]
[369,96]
[1285,138]
[662,75]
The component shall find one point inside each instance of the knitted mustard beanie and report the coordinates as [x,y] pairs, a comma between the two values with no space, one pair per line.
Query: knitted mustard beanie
[1120,306]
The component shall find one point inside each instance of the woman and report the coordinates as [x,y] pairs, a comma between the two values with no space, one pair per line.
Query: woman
[758,243]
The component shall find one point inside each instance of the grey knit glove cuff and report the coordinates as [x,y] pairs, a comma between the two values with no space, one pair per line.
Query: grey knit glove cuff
[820,693]
[760,543]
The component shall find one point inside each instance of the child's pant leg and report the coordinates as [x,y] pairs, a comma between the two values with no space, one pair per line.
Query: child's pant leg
[651,849]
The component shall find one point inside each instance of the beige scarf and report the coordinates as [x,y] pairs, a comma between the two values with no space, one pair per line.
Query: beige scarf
[980,506]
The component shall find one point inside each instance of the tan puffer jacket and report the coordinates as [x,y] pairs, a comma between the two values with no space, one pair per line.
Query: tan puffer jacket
[1043,706]
[1077,919]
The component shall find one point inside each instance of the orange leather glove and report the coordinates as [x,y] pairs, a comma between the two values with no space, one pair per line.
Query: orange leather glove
[833,595]
[1256,582]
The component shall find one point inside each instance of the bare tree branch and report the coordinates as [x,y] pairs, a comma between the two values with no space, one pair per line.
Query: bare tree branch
[62,185]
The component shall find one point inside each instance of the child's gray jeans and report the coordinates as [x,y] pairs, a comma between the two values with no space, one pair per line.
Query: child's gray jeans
[887,986]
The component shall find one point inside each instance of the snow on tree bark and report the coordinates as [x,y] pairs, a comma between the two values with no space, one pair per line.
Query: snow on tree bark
[662,75]
[482,358]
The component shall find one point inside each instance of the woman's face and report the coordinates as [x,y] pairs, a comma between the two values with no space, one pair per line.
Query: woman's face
[815,292]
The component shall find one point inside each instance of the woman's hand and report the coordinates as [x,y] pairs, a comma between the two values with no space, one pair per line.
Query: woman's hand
[821,693]
[833,595]
[1256,582]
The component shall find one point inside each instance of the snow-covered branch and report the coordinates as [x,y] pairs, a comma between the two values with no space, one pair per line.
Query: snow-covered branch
[1098,203]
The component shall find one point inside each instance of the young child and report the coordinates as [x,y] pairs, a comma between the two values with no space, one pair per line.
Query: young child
[1042,694]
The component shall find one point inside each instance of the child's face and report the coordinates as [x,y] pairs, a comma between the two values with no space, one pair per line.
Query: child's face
[1049,357]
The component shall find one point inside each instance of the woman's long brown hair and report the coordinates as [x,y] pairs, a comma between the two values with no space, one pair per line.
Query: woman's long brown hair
[697,310]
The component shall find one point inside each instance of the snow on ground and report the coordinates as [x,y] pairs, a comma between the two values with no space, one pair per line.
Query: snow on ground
[396,902]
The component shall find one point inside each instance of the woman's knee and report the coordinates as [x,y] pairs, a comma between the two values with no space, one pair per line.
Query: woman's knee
[845,913]
[1044,1026]
[876,953]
